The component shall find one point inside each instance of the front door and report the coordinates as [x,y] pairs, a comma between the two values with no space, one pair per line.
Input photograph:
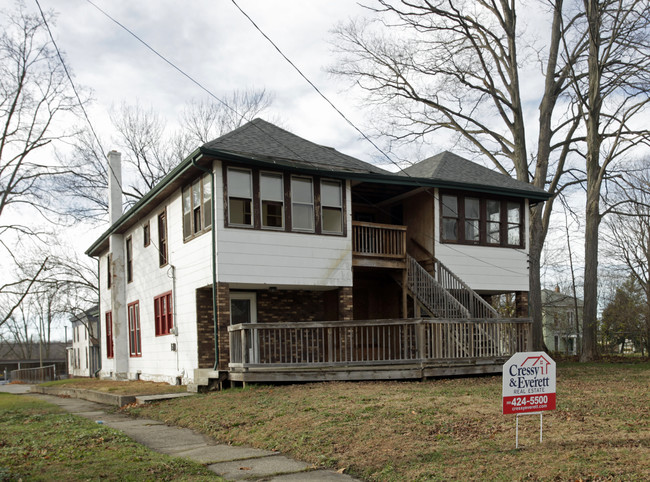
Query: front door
[243,309]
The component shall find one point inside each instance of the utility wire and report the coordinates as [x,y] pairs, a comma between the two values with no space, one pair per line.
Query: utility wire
[76,93]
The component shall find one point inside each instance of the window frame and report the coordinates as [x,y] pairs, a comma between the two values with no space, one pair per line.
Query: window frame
[230,197]
[110,348]
[281,202]
[163,250]
[188,224]
[135,332]
[340,207]
[312,204]
[146,234]
[129,259]
[109,271]
[164,324]
[483,240]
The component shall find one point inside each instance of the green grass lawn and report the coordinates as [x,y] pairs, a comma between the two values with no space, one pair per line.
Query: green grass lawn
[40,442]
[446,429]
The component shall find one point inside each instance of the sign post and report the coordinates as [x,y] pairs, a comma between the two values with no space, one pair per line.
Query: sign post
[528,386]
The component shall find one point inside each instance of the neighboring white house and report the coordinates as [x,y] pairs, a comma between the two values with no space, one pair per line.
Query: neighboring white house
[84,357]
[560,324]
[262,226]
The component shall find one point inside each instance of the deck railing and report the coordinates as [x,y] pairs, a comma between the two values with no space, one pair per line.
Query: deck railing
[379,240]
[374,342]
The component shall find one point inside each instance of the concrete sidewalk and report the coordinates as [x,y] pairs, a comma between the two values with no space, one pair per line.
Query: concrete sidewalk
[230,462]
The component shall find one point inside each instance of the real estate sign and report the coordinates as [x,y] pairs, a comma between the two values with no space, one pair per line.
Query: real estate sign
[528,383]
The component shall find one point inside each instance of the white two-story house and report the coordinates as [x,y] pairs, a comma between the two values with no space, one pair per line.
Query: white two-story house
[264,256]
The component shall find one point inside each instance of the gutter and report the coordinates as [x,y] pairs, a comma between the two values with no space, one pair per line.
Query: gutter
[214,261]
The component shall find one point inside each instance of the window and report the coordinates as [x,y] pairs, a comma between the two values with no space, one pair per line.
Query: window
[146,235]
[472,215]
[197,207]
[475,220]
[331,206]
[272,200]
[135,346]
[163,314]
[514,224]
[109,334]
[240,197]
[449,218]
[129,259]
[162,238]
[302,203]
[109,274]
[493,222]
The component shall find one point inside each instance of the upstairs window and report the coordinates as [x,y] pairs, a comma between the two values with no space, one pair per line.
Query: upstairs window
[475,220]
[197,207]
[146,234]
[129,259]
[331,206]
[302,203]
[449,218]
[240,197]
[272,200]
[162,238]
[109,271]
[261,199]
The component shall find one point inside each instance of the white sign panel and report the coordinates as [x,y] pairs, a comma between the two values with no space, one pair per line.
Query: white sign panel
[529,383]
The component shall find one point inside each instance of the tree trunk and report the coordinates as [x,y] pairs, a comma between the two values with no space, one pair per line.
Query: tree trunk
[534,273]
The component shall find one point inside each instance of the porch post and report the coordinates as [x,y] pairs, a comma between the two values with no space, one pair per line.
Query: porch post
[405,294]
[521,304]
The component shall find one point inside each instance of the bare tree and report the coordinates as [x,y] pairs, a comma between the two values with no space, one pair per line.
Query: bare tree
[628,240]
[35,98]
[611,84]
[149,151]
[456,66]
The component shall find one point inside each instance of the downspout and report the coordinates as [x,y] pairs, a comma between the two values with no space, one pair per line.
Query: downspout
[214,263]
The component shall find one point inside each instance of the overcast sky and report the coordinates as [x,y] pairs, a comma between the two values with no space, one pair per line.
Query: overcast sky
[215,44]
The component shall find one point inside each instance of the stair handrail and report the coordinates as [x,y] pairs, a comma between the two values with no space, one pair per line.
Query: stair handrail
[478,307]
[427,290]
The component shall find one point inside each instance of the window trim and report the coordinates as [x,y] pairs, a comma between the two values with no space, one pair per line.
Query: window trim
[282,201]
[163,248]
[483,221]
[206,221]
[135,329]
[109,271]
[110,347]
[252,198]
[129,259]
[323,206]
[146,234]
[163,329]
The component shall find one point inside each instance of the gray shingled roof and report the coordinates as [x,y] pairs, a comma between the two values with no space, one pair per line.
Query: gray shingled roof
[264,141]
[449,167]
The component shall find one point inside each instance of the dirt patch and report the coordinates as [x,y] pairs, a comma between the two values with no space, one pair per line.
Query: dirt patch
[135,387]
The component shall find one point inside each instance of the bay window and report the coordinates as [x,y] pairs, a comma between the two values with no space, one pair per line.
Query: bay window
[468,219]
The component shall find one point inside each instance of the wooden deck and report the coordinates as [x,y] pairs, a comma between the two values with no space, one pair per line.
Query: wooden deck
[373,349]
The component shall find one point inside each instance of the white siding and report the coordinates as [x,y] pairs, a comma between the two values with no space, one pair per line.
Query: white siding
[258,257]
[485,268]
